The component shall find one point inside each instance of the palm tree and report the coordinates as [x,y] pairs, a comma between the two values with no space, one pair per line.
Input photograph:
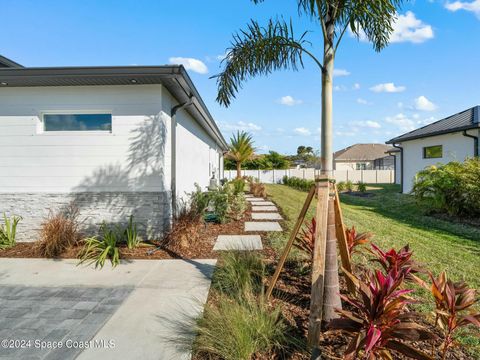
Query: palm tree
[240,150]
[260,50]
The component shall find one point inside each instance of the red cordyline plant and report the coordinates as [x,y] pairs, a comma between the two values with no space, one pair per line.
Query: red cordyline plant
[306,237]
[355,239]
[453,303]
[380,322]
[400,260]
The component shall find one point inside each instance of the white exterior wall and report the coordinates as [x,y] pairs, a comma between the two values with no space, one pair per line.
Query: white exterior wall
[398,168]
[131,158]
[456,147]
[197,156]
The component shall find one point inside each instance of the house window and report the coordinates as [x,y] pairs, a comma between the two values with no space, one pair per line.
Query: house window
[77,122]
[361,166]
[433,152]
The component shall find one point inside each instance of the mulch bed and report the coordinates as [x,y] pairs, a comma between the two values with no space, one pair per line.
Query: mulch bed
[200,245]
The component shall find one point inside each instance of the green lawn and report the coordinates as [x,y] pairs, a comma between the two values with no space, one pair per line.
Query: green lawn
[396,220]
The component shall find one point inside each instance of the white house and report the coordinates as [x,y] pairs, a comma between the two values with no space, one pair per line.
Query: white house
[451,139]
[118,141]
[364,157]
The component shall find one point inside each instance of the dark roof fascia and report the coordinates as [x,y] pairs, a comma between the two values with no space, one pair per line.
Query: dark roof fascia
[9,63]
[179,77]
[397,140]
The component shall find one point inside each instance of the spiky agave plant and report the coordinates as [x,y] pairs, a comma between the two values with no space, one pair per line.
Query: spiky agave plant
[380,322]
[453,308]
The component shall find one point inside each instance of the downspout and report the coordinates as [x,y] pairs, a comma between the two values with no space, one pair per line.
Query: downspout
[173,160]
[475,142]
[401,166]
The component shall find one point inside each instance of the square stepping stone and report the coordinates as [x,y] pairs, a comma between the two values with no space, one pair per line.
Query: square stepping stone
[266,216]
[238,242]
[264,208]
[248,196]
[262,203]
[255,199]
[262,226]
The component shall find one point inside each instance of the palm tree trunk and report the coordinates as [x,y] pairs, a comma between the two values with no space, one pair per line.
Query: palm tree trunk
[331,298]
[239,170]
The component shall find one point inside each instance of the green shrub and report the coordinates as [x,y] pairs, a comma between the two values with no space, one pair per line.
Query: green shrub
[98,251]
[453,188]
[239,330]
[8,231]
[239,273]
[130,235]
[349,185]
[361,187]
[297,183]
[341,186]
[238,186]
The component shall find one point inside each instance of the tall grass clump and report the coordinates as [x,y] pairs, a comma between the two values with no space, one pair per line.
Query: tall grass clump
[8,231]
[98,251]
[239,273]
[233,330]
[59,231]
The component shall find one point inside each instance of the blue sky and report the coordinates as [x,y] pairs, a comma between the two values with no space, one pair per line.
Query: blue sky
[431,69]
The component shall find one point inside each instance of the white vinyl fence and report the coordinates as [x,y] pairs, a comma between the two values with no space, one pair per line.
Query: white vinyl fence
[275,176]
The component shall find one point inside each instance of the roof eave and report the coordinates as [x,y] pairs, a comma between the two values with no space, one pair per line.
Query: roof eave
[443,132]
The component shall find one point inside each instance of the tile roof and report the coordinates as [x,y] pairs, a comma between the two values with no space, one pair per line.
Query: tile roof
[467,119]
[363,152]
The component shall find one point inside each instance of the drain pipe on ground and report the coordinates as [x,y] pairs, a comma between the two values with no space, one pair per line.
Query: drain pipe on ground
[475,142]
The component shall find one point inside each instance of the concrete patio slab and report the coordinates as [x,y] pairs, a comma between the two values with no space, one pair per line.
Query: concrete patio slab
[262,226]
[266,216]
[264,208]
[262,203]
[238,242]
[138,306]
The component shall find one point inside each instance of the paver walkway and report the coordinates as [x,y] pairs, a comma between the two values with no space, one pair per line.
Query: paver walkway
[140,307]
[262,203]
[238,242]
[262,226]
[263,208]
[266,216]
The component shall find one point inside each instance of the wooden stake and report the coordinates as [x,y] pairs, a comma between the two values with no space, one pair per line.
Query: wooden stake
[318,265]
[293,235]
[342,241]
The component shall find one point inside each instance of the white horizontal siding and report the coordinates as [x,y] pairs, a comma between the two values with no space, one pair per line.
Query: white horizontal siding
[131,158]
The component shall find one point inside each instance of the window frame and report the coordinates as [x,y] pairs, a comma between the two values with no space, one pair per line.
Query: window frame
[42,131]
[360,166]
[424,152]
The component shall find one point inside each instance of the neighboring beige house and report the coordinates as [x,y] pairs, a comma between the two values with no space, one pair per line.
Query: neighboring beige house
[364,157]
[449,139]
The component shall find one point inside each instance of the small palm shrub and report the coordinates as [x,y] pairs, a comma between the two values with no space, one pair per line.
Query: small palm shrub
[130,235]
[243,330]
[98,251]
[361,187]
[381,321]
[59,231]
[349,186]
[453,308]
[341,186]
[453,188]
[8,231]
[238,186]
[239,273]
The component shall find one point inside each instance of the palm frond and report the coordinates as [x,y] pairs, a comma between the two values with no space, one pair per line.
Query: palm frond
[241,147]
[259,51]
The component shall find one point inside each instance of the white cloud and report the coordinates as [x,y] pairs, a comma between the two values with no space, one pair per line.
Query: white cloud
[388,87]
[426,121]
[356,86]
[367,124]
[362,101]
[339,88]
[340,72]
[239,126]
[473,6]
[407,28]
[345,133]
[195,65]
[422,103]
[401,121]
[289,101]
[302,131]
